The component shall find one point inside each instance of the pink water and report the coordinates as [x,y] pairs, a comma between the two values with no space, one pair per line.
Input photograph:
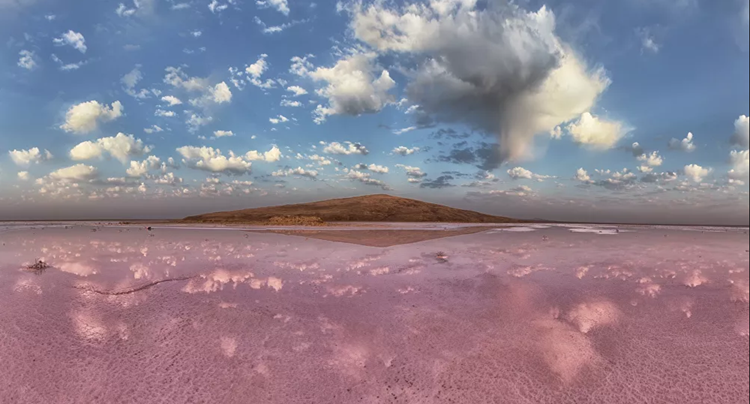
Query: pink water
[537,315]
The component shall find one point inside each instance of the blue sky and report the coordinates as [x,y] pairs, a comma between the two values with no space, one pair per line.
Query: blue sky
[559,110]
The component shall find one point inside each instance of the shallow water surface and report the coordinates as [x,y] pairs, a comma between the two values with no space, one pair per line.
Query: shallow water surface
[542,314]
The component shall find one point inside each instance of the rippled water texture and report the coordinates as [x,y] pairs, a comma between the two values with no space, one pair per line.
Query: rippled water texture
[536,315]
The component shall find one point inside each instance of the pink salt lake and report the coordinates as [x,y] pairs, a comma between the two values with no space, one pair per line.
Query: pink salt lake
[541,314]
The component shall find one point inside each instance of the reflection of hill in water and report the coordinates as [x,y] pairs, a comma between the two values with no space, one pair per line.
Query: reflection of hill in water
[379,238]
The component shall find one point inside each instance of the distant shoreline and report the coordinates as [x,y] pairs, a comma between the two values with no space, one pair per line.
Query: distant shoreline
[365,209]
[344,223]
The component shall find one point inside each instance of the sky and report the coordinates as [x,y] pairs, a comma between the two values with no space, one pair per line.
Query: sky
[627,111]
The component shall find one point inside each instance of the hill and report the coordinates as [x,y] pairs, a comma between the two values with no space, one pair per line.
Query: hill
[369,208]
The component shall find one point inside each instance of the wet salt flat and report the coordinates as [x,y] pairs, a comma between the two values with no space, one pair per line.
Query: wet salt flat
[537,315]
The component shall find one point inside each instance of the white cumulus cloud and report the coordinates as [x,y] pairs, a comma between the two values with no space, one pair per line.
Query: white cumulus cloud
[366,179]
[220,93]
[141,168]
[405,151]
[258,68]
[595,132]
[301,66]
[223,133]
[289,103]
[164,113]
[177,78]
[648,41]
[374,168]
[212,160]
[195,121]
[122,147]
[171,100]
[281,6]
[254,73]
[140,7]
[650,160]
[412,172]
[321,160]
[299,171]
[76,173]
[279,119]
[153,129]
[85,117]
[741,131]
[696,172]
[346,148]
[405,130]
[73,39]
[520,173]
[582,176]
[270,156]
[296,90]
[123,11]
[130,80]
[24,158]
[740,162]
[685,144]
[354,86]
[27,60]
[215,7]
[66,67]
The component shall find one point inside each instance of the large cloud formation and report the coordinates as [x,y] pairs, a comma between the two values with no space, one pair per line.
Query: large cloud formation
[500,69]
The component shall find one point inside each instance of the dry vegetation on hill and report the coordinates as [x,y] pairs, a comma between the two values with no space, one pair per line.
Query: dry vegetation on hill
[370,208]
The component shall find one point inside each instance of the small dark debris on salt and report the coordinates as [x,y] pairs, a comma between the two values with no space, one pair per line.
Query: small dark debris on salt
[441,257]
[37,267]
